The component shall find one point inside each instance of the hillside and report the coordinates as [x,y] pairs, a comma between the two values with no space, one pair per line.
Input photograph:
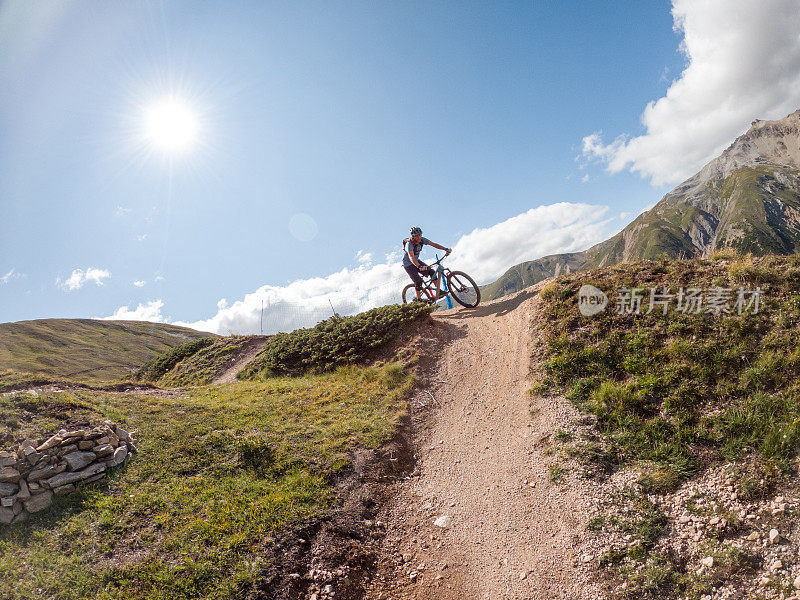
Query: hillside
[203,361]
[87,349]
[528,273]
[258,488]
[514,450]
[690,438]
[748,199]
[619,456]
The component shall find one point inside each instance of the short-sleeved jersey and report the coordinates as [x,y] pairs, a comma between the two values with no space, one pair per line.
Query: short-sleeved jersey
[409,246]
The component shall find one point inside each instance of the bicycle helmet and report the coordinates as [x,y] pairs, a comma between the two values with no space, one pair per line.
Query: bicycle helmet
[416,231]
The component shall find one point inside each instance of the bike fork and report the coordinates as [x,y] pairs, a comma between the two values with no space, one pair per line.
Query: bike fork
[447,301]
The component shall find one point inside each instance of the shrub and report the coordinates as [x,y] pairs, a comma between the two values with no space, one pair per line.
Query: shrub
[337,341]
[161,364]
[550,291]
[659,479]
[747,270]
[724,253]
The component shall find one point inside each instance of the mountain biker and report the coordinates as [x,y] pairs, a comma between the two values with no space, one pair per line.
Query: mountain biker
[415,268]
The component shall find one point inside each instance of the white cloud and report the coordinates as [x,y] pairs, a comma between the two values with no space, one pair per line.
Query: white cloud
[363,257]
[141,238]
[395,255]
[305,302]
[624,215]
[563,227]
[122,211]
[151,311]
[79,278]
[12,274]
[139,283]
[743,63]
[483,253]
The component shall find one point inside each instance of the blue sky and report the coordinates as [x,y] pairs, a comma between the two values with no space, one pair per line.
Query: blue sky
[367,117]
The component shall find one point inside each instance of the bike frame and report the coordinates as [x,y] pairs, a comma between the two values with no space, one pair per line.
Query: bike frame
[440,272]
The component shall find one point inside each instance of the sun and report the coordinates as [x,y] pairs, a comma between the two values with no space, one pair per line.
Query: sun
[171,125]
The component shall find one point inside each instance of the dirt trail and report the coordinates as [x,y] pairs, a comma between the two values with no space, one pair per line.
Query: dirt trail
[483,463]
[246,353]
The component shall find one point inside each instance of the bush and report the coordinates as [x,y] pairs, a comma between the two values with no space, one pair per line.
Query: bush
[161,364]
[550,291]
[724,253]
[336,341]
[748,270]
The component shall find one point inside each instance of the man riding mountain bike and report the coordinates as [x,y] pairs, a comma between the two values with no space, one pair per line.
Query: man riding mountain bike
[413,265]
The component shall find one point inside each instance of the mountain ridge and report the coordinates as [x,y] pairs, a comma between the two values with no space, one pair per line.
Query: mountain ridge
[747,198]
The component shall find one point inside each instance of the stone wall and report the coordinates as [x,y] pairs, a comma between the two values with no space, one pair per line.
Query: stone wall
[34,473]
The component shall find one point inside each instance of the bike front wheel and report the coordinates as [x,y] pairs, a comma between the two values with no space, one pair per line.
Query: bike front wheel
[463,289]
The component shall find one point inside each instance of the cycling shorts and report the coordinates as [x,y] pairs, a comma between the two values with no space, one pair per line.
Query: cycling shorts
[415,274]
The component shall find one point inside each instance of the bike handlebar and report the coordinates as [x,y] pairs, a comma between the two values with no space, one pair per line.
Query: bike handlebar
[446,254]
[430,266]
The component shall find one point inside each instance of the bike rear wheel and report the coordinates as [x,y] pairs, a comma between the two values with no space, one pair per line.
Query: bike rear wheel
[428,294]
[463,289]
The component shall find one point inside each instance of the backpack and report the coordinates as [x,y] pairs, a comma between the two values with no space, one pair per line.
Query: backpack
[408,239]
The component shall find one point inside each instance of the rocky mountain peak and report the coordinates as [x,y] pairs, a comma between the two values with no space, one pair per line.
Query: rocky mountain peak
[766,142]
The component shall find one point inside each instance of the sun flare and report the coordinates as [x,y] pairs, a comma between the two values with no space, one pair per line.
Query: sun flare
[171,125]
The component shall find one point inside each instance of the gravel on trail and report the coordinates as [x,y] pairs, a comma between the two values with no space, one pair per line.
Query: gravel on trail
[480,517]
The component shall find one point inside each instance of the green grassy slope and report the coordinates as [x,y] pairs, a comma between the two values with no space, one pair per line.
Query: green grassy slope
[675,396]
[754,219]
[223,472]
[219,474]
[86,349]
[332,343]
[667,388]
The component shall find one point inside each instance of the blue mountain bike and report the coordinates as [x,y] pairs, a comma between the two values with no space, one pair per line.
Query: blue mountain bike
[442,281]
